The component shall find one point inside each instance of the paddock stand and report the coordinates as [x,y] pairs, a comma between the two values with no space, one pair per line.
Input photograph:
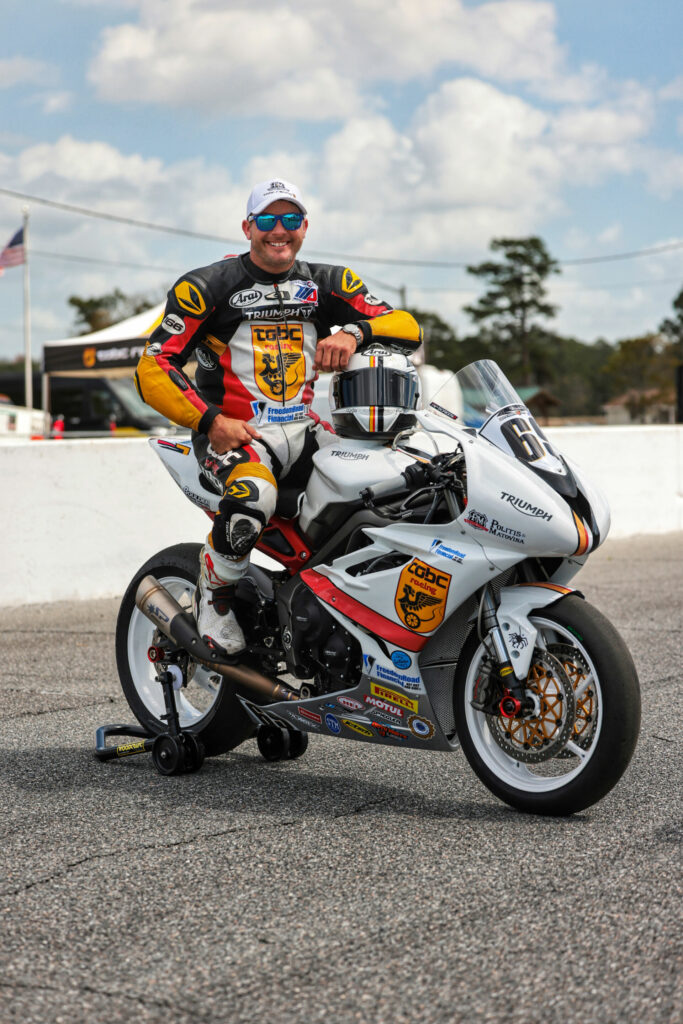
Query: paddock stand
[174,752]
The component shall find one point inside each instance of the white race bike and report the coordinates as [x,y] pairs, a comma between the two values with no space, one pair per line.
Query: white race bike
[424,601]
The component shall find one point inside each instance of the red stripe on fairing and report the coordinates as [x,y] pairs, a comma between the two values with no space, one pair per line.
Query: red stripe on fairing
[359,304]
[360,613]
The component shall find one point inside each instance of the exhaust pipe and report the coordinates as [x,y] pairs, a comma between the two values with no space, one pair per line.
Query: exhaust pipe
[162,609]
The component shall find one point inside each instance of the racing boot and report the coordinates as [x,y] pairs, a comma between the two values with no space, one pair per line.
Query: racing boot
[213,603]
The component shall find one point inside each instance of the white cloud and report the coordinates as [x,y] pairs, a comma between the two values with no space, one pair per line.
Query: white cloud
[308,62]
[673,90]
[18,70]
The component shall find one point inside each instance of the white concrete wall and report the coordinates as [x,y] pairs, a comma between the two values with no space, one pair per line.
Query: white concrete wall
[78,518]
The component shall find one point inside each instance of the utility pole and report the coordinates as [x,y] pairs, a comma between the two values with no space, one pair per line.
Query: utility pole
[28,364]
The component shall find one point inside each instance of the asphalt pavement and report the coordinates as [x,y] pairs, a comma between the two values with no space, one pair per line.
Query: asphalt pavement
[355,884]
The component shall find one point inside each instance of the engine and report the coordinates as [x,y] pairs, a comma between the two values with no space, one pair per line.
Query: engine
[317,646]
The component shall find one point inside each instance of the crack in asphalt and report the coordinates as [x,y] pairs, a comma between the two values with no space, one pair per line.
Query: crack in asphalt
[67,868]
[145,1000]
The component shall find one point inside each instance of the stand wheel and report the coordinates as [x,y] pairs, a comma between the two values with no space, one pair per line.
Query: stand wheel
[273,742]
[194,752]
[298,742]
[168,754]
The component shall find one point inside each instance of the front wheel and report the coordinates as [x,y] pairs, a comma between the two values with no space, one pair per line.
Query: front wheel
[542,763]
[207,706]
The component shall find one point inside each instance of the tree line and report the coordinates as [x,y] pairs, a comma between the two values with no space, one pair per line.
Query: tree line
[512,324]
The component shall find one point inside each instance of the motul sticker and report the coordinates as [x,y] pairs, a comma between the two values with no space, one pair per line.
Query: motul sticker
[393,697]
[279,364]
[421,596]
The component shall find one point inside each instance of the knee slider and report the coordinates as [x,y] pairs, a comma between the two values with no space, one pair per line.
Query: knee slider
[242,532]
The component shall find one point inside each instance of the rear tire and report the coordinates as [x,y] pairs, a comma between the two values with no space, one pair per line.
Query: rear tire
[602,743]
[207,707]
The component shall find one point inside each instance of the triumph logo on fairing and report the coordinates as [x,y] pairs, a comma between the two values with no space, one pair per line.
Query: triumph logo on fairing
[525,507]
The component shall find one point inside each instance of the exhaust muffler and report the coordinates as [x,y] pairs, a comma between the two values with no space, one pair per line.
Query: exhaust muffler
[162,609]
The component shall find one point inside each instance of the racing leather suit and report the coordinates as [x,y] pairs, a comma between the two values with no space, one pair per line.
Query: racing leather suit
[254,337]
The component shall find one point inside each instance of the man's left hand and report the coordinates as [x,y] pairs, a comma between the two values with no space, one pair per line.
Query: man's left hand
[333,352]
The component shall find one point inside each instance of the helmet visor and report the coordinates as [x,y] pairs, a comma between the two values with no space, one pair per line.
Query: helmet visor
[375,386]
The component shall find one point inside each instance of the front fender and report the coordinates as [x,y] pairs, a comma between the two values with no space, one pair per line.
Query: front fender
[519,634]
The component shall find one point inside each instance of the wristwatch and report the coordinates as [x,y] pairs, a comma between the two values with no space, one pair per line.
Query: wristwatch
[355,330]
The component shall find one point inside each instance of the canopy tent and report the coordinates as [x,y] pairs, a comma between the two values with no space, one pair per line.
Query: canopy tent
[103,352]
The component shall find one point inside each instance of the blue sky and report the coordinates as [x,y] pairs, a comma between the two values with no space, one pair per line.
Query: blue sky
[416,132]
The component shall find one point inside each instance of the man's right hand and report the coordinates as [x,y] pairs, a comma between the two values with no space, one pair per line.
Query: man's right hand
[226,434]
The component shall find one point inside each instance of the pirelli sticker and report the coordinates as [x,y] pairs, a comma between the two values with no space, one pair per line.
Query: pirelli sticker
[393,696]
[351,283]
[421,596]
[279,363]
[189,298]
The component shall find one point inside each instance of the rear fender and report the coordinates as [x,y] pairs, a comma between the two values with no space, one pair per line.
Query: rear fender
[519,634]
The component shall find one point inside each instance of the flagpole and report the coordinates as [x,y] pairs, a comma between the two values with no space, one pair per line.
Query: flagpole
[28,364]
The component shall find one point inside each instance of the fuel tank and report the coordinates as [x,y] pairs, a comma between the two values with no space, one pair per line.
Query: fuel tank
[343,469]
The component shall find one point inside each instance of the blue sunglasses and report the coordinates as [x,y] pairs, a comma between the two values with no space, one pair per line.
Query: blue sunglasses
[267,221]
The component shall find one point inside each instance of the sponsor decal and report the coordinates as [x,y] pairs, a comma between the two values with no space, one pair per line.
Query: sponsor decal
[439,548]
[350,703]
[405,682]
[525,507]
[183,449]
[196,498]
[282,414]
[444,412]
[358,727]
[332,724]
[339,453]
[517,641]
[154,349]
[386,732]
[206,358]
[247,297]
[189,298]
[350,282]
[154,610]
[421,596]
[384,705]
[281,293]
[505,671]
[306,292]
[497,529]
[279,364]
[90,357]
[173,324]
[312,716]
[421,727]
[125,749]
[477,519]
[401,660]
[300,312]
[278,186]
[372,300]
[384,716]
[296,718]
[398,699]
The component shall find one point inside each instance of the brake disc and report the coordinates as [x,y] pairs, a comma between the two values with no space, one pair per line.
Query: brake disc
[538,737]
[578,670]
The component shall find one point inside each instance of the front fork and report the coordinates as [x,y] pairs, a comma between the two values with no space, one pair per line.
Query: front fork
[514,696]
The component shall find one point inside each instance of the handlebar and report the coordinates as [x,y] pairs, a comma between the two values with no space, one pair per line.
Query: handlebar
[411,478]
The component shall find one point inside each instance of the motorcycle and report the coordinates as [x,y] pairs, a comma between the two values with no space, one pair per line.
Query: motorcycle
[422,600]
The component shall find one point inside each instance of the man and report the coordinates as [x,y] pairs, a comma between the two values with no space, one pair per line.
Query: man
[259,326]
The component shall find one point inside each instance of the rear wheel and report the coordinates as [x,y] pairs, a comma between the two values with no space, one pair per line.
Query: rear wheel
[207,706]
[576,744]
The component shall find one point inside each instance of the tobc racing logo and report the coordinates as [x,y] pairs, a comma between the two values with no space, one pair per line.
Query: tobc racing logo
[279,363]
[421,596]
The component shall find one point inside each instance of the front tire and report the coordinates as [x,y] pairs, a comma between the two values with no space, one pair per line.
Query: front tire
[207,707]
[606,723]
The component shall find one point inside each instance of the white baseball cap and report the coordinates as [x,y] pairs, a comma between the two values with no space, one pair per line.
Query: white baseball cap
[267,192]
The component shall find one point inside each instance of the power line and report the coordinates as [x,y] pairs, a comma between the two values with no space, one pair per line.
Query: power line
[445,264]
[106,263]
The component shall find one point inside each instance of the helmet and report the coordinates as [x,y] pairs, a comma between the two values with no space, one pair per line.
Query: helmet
[376,395]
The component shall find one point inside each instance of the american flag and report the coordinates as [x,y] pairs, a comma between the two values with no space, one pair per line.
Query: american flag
[13,253]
